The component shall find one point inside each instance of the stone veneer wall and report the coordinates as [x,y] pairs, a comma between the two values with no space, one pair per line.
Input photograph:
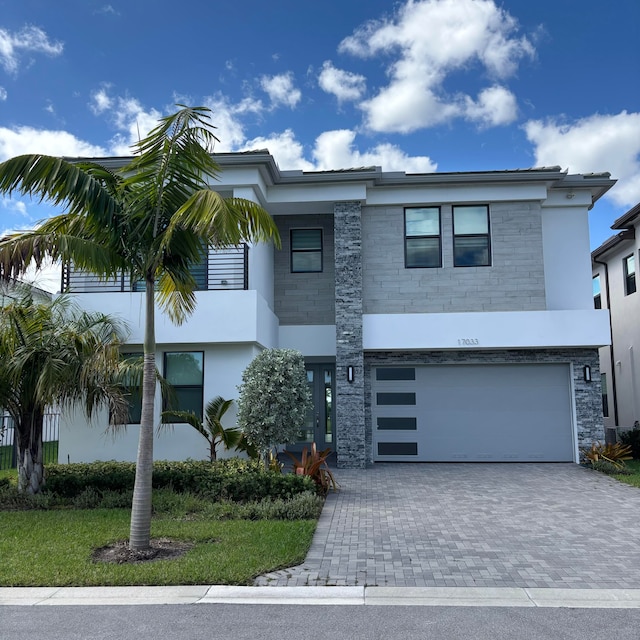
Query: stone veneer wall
[588,398]
[350,414]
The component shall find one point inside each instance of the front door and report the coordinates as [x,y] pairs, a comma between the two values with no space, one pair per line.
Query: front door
[320,423]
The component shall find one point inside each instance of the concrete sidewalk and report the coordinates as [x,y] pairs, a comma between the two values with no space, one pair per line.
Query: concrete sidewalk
[359,596]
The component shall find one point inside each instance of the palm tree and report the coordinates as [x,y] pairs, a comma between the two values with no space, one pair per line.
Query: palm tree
[52,353]
[151,218]
[211,428]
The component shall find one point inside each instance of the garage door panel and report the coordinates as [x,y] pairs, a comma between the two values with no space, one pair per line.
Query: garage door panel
[482,413]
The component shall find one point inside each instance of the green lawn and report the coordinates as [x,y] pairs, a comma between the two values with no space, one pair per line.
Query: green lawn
[53,548]
[634,479]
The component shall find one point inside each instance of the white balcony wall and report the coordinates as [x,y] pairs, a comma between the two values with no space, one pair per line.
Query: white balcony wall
[497,330]
[220,317]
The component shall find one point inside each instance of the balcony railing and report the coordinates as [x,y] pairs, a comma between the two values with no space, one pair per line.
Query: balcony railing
[223,269]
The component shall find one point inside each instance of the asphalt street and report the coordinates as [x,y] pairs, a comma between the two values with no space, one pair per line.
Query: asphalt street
[274,622]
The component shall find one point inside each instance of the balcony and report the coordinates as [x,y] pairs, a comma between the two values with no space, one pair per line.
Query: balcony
[222,270]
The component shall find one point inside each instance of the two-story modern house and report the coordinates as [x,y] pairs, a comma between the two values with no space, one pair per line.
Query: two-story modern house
[443,317]
[614,288]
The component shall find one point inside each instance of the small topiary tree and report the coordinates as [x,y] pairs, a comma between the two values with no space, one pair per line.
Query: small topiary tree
[274,399]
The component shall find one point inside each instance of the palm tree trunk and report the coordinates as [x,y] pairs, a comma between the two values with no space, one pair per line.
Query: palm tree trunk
[140,533]
[29,459]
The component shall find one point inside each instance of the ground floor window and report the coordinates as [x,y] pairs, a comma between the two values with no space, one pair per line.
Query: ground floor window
[184,371]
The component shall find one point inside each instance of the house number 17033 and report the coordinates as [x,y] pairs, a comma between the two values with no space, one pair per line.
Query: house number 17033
[468,342]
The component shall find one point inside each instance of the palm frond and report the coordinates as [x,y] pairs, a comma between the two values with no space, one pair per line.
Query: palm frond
[57,180]
[216,408]
[223,222]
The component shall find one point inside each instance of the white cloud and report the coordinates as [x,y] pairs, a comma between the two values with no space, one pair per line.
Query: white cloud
[344,85]
[3,94]
[14,206]
[20,140]
[281,90]
[28,39]
[594,144]
[226,117]
[134,121]
[335,150]
[287,151]
[100,101]
[107,9]
[428,40]
[495,106]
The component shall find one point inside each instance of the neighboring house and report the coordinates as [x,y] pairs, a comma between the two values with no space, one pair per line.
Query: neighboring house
[615,263]
[16,289]
[443,317]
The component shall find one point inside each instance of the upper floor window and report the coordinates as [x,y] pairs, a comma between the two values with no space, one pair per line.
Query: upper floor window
[306,250]
[597,298]
[629,264]
[184,371]
[422,237]
[471,241]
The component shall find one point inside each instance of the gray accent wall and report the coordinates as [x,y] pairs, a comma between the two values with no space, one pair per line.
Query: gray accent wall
[304,298]
[351,445]
[513,282]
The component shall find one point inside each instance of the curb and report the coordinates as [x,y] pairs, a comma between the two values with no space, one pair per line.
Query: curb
[354,596]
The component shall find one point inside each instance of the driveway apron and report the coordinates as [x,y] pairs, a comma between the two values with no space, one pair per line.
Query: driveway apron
[474,525]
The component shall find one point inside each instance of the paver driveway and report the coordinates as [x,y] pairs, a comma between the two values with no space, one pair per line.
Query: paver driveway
[485,525]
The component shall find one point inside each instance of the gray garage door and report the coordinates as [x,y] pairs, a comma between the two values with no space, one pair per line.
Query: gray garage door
[472,413]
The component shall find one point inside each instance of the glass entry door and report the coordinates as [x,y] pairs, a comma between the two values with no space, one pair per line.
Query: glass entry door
[319,426]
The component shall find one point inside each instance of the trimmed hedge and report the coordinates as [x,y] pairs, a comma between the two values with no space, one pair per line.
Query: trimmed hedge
[233,479]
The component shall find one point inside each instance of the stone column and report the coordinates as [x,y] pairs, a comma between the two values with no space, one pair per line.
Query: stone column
[350,423]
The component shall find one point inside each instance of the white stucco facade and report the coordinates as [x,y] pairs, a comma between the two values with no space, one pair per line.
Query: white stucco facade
[533,297]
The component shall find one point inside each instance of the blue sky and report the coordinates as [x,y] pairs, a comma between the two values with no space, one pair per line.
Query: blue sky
[422,85]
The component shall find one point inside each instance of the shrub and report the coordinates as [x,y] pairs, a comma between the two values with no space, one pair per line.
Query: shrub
[116,499]
[304,506]
[632,439]
[313,464]
[274,398]
[13,500]
[604,466]
[70,480]
[614,454]
[90,498]
[233,479]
